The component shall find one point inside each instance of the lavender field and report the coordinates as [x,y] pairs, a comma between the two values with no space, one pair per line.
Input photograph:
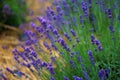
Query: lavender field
[69,40]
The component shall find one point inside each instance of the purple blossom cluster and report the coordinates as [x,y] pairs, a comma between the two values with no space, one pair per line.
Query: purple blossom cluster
[28,58]
[6,10]
[111,29]
[84,8]
[103,73]
[77,78]
[96,42]
[16,72]
[91,57]
[109,12]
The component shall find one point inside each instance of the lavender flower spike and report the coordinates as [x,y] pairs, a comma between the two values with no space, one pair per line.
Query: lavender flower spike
[91,57]
[77,78]
[73,32]
[66,78]
[102,74]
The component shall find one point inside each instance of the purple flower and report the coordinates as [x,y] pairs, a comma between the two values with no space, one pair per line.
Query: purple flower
[48,13]
[85,75]
[55,32]
[111,29]
[91,57]
[44,64]
[28,65]
[19,73]
[90,5]
[16,58]
[119,17]
[67,36]
[72,64]
[52,12]
[81,19]
[84,8]
[73,1]
[50,68]
[97,42]
[109,13]
[102,74]
[4,77]
[54,47]
[92,18]
[33,25]
[92,39]
[77,78]
[38,61]
[68,49]
[4,47]
[73,32]
[33,53]
[50,27]
[6,6]
[30,33]
[66,78]
[107,70]
[100,47]
[28,42]
[54,17]
[71,54]
[66,5]
[90,1]
[40,29]
[46,45]
[52,78]
[58,8]
[9,70]
[62,42]
[42,20]
[34,65]
[79,59]
[52,59]
[6,9]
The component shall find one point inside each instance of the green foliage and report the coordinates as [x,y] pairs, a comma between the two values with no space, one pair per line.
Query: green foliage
[12,12]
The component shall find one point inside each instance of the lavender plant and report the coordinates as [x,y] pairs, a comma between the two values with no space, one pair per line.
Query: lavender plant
[76,40]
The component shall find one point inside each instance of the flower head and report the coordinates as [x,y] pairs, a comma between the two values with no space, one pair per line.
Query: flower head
[102,74]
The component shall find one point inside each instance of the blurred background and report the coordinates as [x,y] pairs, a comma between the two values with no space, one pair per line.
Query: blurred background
[15,16]
[15,19]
